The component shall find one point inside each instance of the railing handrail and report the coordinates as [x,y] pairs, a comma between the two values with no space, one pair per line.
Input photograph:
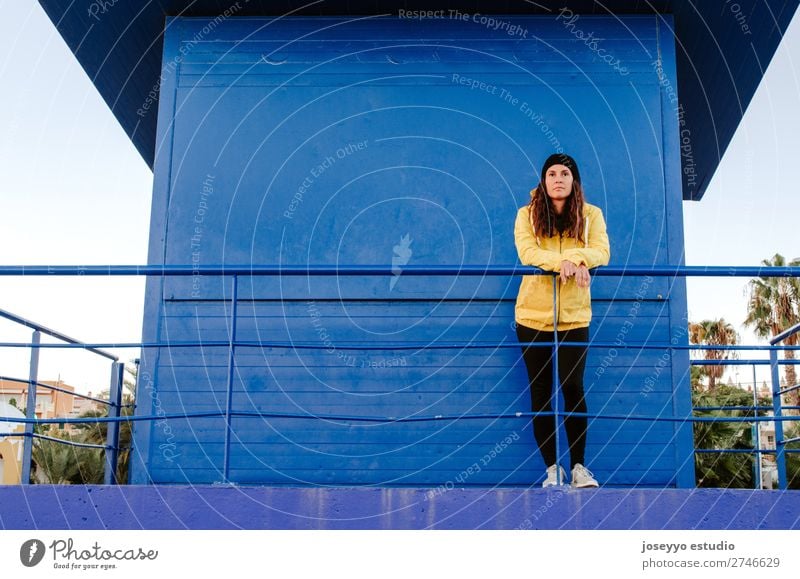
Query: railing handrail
[362,418]
[413,270]
[52,333]
[785,334]
[472,344]
[57,389]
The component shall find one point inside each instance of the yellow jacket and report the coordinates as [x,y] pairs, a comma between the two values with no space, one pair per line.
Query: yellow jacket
[534,307]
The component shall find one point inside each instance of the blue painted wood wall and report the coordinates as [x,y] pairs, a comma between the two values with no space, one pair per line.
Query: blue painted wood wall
[348,141]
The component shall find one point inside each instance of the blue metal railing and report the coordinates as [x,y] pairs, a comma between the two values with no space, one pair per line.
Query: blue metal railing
[231,344]
[114,402]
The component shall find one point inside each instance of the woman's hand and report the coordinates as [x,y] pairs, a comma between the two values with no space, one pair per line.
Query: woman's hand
[568,269]
[580,272]
[582,277]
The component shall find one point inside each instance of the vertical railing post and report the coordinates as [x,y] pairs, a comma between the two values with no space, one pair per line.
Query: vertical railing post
[780,454]
[30,407]
[556,390]
[112,433]
[231,371]
[757,428]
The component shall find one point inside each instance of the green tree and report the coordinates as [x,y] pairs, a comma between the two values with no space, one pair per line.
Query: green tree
[773,306]
[729,470]
[714,333]
[58,463]
[792,430]
[96,433]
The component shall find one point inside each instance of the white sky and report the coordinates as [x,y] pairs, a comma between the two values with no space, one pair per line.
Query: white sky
[75,191]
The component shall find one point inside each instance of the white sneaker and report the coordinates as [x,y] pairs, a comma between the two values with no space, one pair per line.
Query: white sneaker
[582,478]
[552,476]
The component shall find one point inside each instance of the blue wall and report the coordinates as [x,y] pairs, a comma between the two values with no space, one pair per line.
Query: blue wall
[329,141]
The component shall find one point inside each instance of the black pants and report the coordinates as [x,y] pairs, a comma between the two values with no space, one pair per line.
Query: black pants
[571,364]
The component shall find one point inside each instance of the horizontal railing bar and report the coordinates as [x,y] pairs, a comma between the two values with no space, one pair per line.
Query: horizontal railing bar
[734,451]
[61,440]
[744,450]
[712,408]
[789,388]
[381,270]
[792,440]
[785,334]
[351,418]
[70,442]
[52,333]
[57,389]
[355,345]
[52,438]
[738,362]
[696,450]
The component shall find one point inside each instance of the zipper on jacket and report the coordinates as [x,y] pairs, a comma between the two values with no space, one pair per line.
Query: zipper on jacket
[558,288]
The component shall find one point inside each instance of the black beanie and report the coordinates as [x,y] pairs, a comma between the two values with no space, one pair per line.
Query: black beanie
[561,159]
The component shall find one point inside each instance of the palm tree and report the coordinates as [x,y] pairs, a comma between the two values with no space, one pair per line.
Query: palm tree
[96,433]
[714,333]
[59,463]
[728,470]
[773,306]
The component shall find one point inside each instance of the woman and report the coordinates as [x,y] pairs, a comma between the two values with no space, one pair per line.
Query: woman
[558,231]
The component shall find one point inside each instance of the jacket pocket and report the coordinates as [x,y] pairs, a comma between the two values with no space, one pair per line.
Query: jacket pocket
[576,304]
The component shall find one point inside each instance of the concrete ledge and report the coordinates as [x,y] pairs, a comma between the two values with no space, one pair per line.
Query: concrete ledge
[211,507]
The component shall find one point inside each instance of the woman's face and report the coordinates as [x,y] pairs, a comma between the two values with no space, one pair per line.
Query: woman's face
[558,182]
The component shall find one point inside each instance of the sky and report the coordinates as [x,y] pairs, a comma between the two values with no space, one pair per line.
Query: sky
[75,191]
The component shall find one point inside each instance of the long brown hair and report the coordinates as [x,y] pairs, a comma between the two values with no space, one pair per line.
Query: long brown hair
[543,215]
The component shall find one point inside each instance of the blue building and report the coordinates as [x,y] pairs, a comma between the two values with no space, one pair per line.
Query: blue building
[346,134]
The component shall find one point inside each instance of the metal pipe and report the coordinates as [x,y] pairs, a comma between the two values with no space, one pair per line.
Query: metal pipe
[782,336]
[57,389]
[30,407]
[780,456]
[112,434]
[426,345]
[416,270]
[231,369]
[58,335]
[356,418]
[757,428]
[555,391]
